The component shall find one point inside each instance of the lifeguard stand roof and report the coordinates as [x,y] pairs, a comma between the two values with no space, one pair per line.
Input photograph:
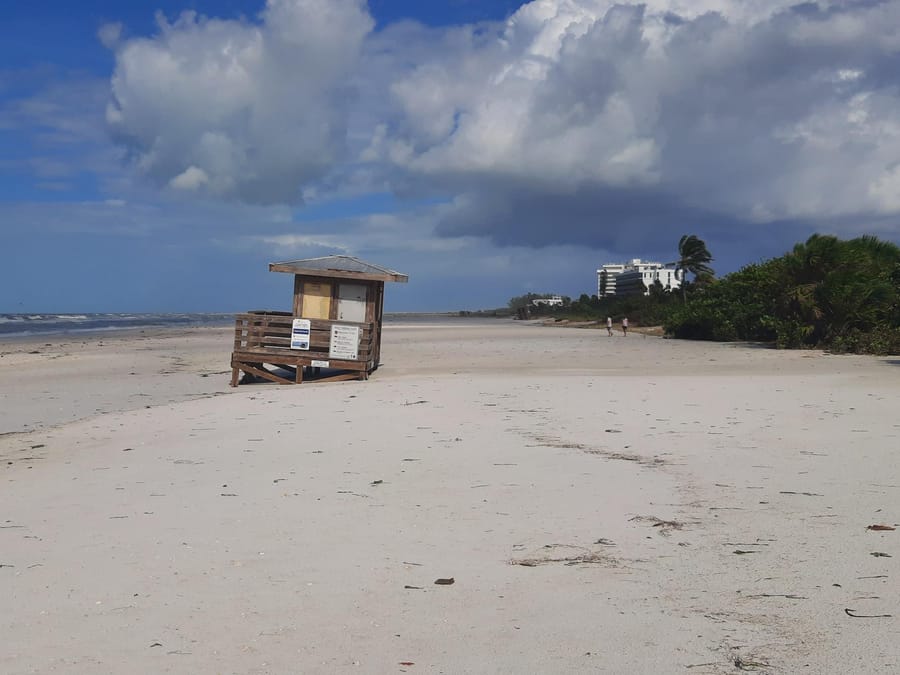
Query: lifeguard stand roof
[340,266]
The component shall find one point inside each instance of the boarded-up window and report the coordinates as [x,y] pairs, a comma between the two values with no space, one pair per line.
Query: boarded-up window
[316,300]
[352,302]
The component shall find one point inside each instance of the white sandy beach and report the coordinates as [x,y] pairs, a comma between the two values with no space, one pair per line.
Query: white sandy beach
[679,507]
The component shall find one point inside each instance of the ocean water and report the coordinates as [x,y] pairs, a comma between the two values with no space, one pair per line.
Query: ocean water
[24,325]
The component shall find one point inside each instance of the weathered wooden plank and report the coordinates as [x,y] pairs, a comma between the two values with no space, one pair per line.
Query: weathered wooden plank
[266,312]
[286,321]
[269,330]
[263,373]
[279,343]
[288,357]
[318,340]
[339,377]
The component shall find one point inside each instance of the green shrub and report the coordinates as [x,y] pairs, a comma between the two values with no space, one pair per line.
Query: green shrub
[881,341]
[829,293]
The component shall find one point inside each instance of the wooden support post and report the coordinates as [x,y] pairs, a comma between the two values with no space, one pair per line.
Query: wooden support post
[298,377]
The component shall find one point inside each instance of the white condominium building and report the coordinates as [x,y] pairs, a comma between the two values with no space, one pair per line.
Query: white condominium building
[552,301]
[606,278]
[635,276]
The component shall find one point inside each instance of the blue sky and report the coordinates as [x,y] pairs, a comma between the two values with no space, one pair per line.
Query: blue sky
[157,155]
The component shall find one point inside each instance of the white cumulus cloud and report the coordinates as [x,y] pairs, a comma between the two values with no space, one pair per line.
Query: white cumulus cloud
[574,121]
[254,108]
[707,111]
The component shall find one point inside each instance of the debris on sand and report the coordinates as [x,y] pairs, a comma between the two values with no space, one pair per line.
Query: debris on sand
[851,612]
[556,553]
[743,664]
[664,526]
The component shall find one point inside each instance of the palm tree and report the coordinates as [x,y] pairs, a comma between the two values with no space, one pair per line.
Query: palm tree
[693,257]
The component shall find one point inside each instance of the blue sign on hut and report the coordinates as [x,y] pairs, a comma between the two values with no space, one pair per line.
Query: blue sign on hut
[335,323]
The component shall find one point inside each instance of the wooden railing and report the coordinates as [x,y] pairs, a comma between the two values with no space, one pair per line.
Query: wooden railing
[266,332]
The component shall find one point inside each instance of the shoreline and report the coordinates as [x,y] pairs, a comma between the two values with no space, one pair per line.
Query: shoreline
[44,384]
[68,329]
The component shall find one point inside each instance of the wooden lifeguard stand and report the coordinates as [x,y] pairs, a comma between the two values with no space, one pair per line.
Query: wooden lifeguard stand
[335,323]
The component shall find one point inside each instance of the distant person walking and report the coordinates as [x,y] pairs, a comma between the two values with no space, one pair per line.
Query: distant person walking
[625,326]
[609,325]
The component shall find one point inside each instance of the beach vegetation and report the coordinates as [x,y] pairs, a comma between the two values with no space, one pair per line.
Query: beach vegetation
[827,293]
[840,295]
[693,257]
[645,310]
